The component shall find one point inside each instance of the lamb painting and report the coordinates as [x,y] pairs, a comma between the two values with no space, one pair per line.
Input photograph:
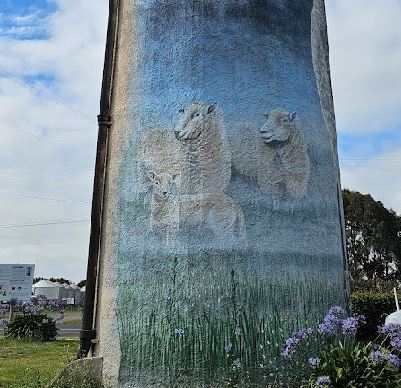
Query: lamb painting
[276,158]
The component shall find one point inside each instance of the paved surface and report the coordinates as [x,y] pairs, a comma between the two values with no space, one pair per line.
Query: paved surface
[65,330]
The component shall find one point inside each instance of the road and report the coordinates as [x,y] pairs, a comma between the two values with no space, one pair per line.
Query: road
[67,329]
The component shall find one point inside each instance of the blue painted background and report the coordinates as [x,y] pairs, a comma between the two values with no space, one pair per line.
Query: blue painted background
[248,57]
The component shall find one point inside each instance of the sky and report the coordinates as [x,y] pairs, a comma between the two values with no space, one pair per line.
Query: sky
[50,78]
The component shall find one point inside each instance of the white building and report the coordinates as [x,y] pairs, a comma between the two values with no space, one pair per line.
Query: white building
[62,293]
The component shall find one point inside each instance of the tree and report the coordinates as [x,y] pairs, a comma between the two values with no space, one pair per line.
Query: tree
[373,242]
[81,283]
[60,280]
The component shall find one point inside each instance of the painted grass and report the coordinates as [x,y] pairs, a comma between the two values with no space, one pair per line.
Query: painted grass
[25,364]
[216,328]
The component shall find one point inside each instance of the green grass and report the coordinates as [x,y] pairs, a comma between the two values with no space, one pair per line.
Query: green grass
[178,329]
[25,364]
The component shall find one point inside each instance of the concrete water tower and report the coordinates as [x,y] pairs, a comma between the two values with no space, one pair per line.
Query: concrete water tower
[217,223]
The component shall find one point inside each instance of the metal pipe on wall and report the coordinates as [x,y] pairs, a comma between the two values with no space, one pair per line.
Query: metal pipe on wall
[88,333]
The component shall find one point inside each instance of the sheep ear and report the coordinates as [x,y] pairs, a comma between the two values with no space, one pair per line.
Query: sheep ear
[211,108]
[293,116]
[150,175]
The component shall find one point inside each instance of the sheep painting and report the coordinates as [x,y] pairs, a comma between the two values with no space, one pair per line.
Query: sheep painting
[276,158]
[203,150]
[187,172]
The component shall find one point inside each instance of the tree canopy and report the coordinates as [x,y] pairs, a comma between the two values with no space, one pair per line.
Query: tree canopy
[373,239]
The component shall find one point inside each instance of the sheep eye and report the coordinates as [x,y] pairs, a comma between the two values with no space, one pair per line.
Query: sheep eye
[285,120]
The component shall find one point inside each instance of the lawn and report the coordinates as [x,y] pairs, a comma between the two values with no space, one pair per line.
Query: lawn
[25,364]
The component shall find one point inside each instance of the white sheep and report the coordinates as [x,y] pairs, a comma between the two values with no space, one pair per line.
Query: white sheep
[204,153]
[275,157]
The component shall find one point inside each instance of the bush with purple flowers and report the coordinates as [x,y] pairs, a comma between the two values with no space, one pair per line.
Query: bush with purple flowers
[346,362]
[37,327]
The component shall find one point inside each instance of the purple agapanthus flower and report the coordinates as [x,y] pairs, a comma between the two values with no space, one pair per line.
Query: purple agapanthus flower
[179,332]
[237,363]
[395,343]
[392,330]
[336,311]
[228,347]
[237,332]
[292,342]
[378,356]
[314,362]
[303,334]
[330,325]
[323,381]
[394,361]
[166,296]
[178,304]
[349,325]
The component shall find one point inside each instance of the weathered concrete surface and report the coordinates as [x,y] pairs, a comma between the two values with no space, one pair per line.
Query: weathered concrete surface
[223,226]
[83,372]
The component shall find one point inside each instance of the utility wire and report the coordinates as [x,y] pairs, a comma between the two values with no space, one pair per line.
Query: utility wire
[44,198]
[51,179]
[33,172]
[44,223]
[41,138]
[42,93]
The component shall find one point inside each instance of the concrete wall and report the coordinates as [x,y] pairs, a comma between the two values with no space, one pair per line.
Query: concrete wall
[223,225]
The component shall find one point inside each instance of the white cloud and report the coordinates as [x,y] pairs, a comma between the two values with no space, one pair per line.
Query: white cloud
[365,55]
[365,44]
[72,55]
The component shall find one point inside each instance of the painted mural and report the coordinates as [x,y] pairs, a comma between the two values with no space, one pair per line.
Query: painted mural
[229,232]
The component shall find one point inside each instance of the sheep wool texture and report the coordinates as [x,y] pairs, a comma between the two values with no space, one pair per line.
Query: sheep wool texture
[222,229]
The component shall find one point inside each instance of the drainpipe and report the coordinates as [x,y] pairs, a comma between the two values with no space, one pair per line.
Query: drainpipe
[88,334]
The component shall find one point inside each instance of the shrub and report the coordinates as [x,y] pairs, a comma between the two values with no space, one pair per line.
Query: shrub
[37,327]
[345,362]
[375,307]
[352,367]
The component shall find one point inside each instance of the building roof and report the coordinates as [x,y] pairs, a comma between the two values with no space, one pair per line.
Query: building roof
[44,284]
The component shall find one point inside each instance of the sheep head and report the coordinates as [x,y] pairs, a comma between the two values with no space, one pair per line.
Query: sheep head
[279,126]
[193,121]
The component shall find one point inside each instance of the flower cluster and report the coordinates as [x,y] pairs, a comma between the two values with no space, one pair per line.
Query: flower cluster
[292,342]
[380,357]
[334,323]
[393,333]
[228,347]
[179,332]
[314,362]
[323,381]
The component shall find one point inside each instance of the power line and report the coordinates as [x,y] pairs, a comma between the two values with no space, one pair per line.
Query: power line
[44,198]
[51,179]
[44,223]
[41,138]
[42,93]
[34,172]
